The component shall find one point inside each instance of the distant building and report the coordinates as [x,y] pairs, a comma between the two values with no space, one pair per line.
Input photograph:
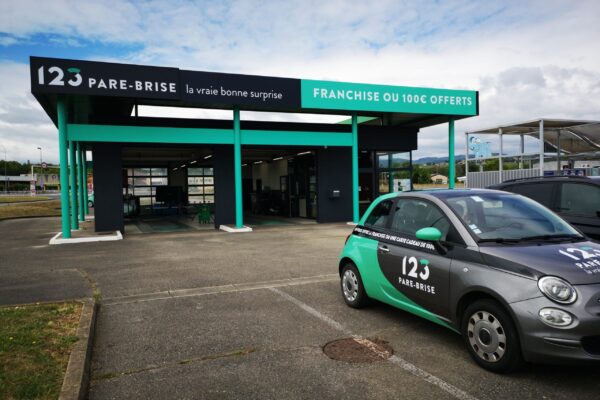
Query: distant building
[45,181]
[439,179]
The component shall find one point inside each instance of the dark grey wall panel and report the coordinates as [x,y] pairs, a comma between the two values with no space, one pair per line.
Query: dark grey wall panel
[224,185]
[334,172]
[387,138]
[108,187]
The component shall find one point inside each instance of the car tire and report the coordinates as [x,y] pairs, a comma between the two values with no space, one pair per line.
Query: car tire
[491,336]
[353,290]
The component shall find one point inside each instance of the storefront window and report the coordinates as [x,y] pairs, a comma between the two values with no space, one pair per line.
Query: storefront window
[394,172]
[393,160]
[142,183]
[201,187]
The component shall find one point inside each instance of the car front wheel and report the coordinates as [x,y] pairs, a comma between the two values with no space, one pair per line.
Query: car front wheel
[491,336]
[352,287]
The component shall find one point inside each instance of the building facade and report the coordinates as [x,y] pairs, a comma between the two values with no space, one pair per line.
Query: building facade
[328,172]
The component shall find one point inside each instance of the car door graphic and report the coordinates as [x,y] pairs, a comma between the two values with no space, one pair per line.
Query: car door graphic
[415,268]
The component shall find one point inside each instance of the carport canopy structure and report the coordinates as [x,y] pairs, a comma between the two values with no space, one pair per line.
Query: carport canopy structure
[96,102]
[573,138]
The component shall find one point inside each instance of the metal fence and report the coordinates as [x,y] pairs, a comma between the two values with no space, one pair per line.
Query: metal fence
[487,178]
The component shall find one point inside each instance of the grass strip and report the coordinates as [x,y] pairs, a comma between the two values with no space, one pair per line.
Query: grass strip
[18,199]
[35,209]
[35,344]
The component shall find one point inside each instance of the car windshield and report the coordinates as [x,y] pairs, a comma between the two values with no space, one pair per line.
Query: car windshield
[505,217]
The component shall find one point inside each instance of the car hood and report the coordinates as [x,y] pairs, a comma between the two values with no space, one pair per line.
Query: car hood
[578,263]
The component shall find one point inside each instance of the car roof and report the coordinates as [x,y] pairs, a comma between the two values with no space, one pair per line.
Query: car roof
[538,179]
[443,193]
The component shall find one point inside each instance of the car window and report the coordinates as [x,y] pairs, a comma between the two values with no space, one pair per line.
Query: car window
[540,192]
[410,215]
[506,216]
[379,216]
[580,199]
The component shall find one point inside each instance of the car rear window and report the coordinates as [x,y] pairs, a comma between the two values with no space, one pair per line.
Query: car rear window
[379,216]
[580,199]
[540,192]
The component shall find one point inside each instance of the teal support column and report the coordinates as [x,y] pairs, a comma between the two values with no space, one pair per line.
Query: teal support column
[390,174]
[355,215]
[80,185]
[451,164]
[61,112]
[237,160]
[85,191]
[73,184]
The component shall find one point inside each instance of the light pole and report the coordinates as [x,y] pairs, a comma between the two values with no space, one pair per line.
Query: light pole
[41,170]
[5,176]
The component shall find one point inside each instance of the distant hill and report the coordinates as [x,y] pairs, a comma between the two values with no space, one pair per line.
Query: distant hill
[437,160]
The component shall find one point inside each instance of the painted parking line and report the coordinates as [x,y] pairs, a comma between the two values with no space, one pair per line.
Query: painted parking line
[395,359]
[241,287]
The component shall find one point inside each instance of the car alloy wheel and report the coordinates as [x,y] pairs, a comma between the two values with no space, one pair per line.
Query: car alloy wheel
[486,335]
[353,290]
[350,285]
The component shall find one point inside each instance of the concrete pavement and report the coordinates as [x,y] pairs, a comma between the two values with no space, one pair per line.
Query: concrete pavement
[215,315]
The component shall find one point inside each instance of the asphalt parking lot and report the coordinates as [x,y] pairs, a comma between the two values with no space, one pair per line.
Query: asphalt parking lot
[215,315]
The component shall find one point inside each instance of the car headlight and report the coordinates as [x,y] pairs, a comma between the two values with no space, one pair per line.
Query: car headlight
[555,317]
[557,289]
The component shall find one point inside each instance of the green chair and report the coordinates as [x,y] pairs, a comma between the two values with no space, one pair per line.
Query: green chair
[204,214]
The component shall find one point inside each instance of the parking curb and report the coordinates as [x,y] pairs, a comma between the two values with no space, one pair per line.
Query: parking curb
[77,377]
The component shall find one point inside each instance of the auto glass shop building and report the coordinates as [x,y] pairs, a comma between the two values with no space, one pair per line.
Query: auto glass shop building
[238,168]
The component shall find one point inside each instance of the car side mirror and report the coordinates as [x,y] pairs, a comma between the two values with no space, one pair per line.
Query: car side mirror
[434,235]
[429,234]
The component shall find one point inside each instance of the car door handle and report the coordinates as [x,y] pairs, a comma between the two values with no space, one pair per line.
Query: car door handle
[384,249]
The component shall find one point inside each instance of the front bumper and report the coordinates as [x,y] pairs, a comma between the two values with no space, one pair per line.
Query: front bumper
[578,343]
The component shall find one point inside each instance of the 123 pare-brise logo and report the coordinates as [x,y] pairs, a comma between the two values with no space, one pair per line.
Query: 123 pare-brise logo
[56,76]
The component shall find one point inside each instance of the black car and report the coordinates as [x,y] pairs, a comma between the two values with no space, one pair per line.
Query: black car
[576,199]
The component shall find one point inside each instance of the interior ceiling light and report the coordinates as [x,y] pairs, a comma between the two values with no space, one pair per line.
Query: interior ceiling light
[257,162]
[193,162]
[208,156]
[277,158]
[243,165]
[183,166]
[303,153]
[175,169]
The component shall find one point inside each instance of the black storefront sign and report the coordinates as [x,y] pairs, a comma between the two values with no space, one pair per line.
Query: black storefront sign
[51,75]
[247,90]
[210,89]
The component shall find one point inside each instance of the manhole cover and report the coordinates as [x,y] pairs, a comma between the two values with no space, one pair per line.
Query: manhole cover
[357,350]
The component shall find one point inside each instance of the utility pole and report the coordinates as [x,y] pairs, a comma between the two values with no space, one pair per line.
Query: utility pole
[5,176]
[32,183]
[41,169]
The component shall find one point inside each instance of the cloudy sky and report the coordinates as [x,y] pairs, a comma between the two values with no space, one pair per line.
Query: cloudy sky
[528,59]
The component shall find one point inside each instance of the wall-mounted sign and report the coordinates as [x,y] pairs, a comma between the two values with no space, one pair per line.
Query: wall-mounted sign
[51,75]
[366,97]
[226,89]
[481,149]
[210,89]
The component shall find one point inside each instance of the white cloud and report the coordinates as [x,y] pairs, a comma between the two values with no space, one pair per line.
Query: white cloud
[527,59]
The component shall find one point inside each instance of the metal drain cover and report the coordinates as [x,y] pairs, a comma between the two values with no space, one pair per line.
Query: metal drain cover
[358,350]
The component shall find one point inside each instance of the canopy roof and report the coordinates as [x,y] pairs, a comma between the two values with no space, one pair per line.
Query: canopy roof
[572,136]
[110,89]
